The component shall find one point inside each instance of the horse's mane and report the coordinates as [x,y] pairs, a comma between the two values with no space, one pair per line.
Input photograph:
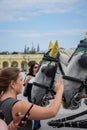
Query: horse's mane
[67,52]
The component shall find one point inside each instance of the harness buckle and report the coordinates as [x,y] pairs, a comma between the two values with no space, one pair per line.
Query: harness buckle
[85,82]
[77,98]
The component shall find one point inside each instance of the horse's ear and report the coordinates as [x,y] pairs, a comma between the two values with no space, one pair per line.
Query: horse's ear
[83,61]
[55,49]
[50,46]
[85,36]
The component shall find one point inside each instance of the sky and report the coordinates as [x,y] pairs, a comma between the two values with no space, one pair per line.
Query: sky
[32,22]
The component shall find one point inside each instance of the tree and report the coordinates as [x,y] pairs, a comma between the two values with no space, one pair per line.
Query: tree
[25,49]
[38,48]
[33,50]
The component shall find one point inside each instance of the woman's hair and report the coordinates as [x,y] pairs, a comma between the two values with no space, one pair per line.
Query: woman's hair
[31,67]
[6,76]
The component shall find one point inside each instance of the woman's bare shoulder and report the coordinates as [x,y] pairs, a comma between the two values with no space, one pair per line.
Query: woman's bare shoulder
[21,106]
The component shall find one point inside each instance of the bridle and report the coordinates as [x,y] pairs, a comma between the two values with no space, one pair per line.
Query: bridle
[77,97]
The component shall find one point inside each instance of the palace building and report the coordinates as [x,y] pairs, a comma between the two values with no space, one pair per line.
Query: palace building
[18,60]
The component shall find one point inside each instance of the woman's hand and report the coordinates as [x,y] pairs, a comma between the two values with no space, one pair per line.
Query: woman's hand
[14,124]
[28,78]
[59,86]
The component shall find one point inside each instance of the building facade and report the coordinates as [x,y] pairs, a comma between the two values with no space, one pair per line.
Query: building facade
[18,60]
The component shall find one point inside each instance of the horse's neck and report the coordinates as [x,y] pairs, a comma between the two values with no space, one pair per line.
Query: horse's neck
[64,59]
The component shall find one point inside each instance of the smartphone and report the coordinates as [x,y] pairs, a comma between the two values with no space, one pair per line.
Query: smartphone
[24,117]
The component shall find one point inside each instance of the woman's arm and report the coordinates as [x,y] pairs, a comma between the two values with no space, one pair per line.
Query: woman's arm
[38,112]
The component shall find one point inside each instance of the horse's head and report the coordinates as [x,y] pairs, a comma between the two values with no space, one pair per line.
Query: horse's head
[47,75]
[75,83]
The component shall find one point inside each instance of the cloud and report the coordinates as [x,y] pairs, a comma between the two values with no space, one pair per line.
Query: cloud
[20,10]
[36,34]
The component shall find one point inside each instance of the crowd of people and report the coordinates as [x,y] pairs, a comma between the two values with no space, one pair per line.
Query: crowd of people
[11,83]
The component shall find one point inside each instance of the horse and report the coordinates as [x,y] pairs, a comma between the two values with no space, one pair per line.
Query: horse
[53,64]
[75,79]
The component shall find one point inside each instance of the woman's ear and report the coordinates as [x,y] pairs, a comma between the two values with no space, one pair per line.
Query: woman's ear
[12,83]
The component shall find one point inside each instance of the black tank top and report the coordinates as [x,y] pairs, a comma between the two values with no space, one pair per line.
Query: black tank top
[6,106]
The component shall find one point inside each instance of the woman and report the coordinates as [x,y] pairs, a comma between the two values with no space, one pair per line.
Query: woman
[29,82]
[30,77]
[11,82]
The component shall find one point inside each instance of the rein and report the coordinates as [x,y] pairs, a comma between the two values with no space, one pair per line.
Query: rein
[64,122]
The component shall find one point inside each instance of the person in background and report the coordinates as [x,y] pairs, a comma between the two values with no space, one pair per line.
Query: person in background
[11,83]
[29,82]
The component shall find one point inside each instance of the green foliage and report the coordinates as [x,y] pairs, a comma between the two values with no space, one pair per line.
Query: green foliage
[14,52]
[4,52]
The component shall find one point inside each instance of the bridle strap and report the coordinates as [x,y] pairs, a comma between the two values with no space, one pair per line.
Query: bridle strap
[45,87]
[48,58]
[41,85]
[61,68]
[73,79]
[83,85]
